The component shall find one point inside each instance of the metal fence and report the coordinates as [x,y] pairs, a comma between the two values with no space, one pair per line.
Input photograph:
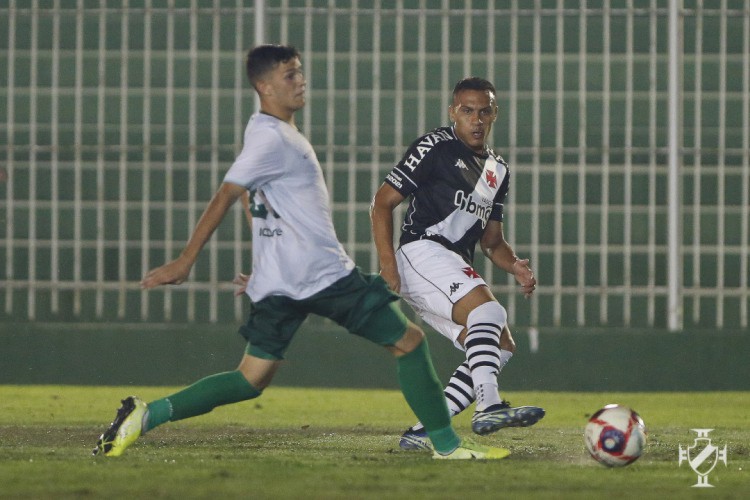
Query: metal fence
[630,195]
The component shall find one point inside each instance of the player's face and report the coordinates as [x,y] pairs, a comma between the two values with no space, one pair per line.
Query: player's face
[286,84]
[473,112]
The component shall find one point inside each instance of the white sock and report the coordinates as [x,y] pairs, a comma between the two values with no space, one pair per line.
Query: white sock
[487,395]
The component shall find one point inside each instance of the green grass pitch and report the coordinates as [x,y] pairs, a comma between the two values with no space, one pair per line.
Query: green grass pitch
[326,443]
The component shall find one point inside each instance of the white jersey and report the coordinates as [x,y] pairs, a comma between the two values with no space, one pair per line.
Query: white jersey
[295,249]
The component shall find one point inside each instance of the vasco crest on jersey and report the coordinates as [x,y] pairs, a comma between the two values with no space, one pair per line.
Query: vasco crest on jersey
[491,178]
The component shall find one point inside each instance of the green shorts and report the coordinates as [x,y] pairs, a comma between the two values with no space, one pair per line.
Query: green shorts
[361,303]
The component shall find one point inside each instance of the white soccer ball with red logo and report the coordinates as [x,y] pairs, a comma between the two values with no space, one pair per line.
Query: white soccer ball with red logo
[615,436]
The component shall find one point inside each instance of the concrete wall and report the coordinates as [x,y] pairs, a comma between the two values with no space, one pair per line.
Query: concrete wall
[324,355]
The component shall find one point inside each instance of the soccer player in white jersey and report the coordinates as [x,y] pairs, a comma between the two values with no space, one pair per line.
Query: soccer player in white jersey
[299,267]
[457,186]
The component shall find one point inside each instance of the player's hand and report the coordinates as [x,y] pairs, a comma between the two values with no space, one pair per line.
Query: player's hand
[524,276]
[241,281]
[171,273]
[390,275]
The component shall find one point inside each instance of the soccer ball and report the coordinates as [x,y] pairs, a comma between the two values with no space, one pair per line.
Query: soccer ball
[615,436]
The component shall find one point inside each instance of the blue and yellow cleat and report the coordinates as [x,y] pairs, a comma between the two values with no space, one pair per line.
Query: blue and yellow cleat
[469,450]
[125,429]
[495,417]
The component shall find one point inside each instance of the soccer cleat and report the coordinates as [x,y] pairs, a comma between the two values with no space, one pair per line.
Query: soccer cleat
[415,440]
[469,450]
[495,417]
[125,429]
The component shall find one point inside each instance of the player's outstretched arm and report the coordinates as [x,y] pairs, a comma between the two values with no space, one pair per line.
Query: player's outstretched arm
[176,271]
[381,215]
[502,255]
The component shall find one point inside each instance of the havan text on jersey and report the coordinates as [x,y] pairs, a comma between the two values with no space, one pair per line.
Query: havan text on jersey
[424,146]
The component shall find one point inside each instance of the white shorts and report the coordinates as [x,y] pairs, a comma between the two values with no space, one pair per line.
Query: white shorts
[433,279]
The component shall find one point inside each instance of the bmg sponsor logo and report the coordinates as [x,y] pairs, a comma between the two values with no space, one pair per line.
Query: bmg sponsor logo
[480,208]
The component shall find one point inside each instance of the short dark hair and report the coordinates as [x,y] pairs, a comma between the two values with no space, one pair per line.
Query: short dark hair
[263,58]
[473,83]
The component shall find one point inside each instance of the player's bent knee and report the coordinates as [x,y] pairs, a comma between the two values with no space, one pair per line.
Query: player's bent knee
[257,371]
[489,312]
[413,336]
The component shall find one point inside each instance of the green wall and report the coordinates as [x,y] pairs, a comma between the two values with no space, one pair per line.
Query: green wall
[324,355]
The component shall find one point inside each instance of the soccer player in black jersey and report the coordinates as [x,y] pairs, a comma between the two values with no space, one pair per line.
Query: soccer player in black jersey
[457,187]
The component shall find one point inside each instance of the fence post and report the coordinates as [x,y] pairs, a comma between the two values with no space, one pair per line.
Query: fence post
[674,195]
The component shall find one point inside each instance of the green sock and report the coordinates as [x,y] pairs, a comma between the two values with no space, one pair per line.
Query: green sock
[423,392]
[201,397]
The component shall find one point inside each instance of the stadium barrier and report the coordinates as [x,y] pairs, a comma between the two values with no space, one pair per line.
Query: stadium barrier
[324,355]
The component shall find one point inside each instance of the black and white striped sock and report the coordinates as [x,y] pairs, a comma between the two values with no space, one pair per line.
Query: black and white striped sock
[482,344]
[459,393]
